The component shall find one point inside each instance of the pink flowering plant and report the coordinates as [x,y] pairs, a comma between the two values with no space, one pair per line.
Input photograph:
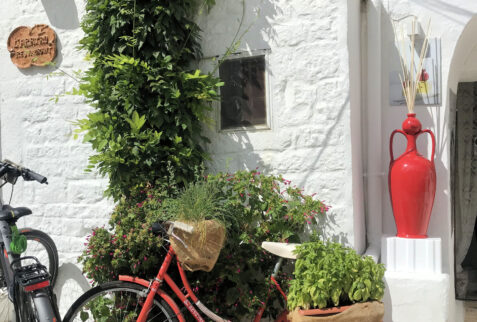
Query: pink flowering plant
[255,208]
[128,246]
[259,208]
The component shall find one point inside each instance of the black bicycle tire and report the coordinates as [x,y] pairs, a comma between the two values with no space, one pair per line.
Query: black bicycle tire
[115,285]
[50,247]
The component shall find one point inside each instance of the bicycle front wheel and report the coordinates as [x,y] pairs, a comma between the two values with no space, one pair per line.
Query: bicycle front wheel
[41,246]
[117,301]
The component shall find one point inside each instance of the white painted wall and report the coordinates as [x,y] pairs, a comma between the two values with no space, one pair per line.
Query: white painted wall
[309,97]
[37,133]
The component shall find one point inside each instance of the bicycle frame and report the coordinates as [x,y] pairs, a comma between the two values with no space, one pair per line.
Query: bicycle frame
[162,276]
[5,232]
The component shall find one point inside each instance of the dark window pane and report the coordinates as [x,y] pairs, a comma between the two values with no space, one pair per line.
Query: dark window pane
[243,101]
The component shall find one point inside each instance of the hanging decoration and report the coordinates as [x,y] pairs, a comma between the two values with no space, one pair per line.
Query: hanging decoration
[34,46]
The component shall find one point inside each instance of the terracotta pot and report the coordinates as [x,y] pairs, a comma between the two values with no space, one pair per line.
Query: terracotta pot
[366,312]
[412,182]
[325,311]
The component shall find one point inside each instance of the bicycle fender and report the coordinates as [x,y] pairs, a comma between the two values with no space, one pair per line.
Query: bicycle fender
[160,292]
[136,280]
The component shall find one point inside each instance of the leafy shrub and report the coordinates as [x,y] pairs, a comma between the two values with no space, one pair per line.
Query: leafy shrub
[256,208]
[129,247]
[150,106]
[329,274]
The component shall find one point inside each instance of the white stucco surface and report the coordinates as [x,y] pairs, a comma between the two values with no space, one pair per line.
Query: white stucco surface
[309,135]
[412,255]
[37,132]
[417,297]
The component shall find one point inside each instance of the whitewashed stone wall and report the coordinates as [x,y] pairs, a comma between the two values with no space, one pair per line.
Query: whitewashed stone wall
[37,132]
[308,97]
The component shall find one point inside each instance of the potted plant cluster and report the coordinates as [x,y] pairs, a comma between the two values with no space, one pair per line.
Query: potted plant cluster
[334,283]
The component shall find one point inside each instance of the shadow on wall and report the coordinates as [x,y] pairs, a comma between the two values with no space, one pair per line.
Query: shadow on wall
[71,279]
[444,9]
[388,312]
[241,154]
[62,14]
[234,150]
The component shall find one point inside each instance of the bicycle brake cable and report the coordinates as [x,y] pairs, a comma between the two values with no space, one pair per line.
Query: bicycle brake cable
[11,194]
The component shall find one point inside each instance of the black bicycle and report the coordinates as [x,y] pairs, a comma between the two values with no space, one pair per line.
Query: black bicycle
[30,259]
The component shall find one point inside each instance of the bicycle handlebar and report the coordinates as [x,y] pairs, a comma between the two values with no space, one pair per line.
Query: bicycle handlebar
[31,175]
[8,168]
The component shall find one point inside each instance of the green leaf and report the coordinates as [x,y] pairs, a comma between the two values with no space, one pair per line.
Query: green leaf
[136,122]
[84,316]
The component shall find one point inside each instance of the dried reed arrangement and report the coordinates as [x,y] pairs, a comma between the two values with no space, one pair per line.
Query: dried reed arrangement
[411,73]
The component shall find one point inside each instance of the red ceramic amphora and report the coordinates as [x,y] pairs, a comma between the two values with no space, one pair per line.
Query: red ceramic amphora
[412,182]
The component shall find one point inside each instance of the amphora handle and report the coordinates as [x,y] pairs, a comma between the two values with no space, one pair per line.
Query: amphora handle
[391,142]
[433,142]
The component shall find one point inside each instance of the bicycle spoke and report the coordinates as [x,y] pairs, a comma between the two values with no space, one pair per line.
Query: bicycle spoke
[157,315]
[99,302]
[127,305]
[137,303]
[120,303]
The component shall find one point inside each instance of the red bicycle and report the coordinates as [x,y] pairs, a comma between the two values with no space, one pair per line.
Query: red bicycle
[137,299]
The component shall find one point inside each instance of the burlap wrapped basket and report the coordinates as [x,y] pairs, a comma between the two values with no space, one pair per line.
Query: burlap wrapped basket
[203,245]
[362,312]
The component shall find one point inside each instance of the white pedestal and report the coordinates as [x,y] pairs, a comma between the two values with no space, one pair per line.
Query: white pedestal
[416,297]
[421,255]
[416,289]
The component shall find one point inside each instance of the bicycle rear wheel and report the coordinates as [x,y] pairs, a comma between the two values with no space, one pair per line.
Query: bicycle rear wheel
[42,247]
[117,301]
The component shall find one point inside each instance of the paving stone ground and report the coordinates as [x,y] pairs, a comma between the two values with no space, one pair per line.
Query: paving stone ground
[470,311]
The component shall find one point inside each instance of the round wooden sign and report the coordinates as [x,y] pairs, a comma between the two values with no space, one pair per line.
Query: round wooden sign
[32,46]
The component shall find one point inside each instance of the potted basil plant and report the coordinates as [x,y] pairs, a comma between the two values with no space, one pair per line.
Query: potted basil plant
[333,283]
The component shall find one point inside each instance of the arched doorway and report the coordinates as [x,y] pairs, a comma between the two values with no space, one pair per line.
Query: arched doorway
[463,82]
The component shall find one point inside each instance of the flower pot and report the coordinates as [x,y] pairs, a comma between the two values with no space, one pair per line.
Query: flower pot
[412,182]
[200,249]
[365,312]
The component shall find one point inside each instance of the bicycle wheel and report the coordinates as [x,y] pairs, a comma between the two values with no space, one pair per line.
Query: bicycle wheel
[117,301]
[42,247]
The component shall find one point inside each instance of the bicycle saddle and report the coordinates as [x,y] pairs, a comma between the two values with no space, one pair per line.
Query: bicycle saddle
[9,213]
[280,249]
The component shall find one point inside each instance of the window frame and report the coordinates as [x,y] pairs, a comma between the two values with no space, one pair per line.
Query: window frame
[268,108]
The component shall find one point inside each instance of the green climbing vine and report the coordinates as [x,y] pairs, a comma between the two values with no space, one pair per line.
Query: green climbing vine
[150,106]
